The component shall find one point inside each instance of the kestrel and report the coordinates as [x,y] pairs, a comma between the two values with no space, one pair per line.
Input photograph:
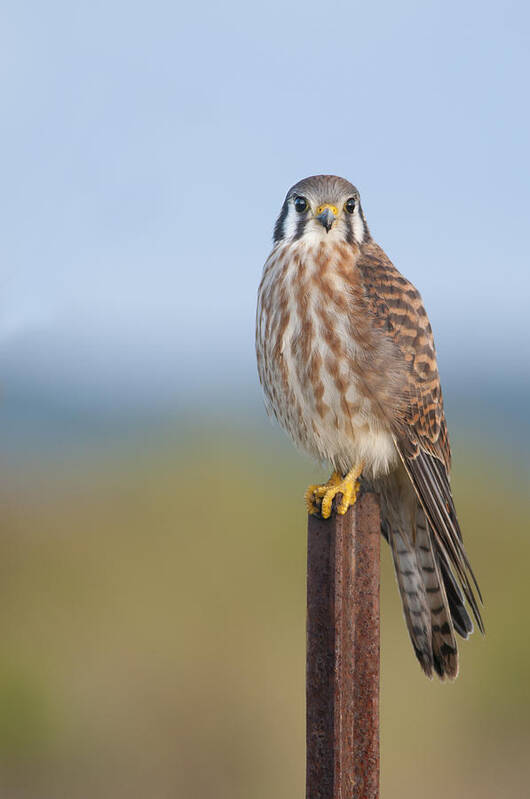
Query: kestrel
[347,363]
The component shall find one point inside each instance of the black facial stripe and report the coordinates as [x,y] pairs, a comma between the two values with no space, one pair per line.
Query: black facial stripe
[300,227]
[280,223]
[348,223]
[366,232]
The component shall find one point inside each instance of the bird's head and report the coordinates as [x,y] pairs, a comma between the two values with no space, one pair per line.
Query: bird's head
[323,207]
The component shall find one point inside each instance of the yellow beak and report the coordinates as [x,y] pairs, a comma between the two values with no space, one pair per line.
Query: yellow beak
[326,215]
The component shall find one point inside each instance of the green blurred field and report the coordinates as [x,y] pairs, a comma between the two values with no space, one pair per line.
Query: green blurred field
[153,620]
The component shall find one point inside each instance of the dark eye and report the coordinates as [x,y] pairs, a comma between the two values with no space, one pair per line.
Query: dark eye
[300,204]
[350,205]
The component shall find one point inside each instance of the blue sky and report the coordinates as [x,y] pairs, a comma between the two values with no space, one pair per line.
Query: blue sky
[147,149]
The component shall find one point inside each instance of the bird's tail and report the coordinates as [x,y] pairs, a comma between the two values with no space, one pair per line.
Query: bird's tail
[432,601]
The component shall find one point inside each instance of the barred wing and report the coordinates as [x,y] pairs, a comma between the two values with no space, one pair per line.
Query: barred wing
[420,430]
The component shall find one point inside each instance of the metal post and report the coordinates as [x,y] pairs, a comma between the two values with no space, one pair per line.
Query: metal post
[342,688]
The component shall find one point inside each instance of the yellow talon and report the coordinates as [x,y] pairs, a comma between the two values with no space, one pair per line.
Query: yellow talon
[319,498]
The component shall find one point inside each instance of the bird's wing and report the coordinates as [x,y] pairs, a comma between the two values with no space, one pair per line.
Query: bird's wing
[419,426]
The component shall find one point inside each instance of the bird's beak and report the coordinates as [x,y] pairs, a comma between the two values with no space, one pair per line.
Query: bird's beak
[326,215]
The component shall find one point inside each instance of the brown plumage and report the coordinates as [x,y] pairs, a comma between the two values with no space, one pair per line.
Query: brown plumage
[347,362]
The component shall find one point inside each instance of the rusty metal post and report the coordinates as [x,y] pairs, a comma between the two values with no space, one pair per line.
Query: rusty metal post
[342,688]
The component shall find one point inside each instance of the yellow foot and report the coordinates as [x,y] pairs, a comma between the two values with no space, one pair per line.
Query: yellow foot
[319,498]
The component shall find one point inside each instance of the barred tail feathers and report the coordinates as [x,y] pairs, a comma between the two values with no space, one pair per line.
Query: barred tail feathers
[413,596]
[444,647]
[427,609]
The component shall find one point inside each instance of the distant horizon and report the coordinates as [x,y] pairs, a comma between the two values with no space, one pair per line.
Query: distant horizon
[40,417]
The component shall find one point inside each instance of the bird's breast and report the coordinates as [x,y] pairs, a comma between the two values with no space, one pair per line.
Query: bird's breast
[313,342]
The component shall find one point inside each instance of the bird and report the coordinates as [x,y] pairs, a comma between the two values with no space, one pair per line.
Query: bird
[347,362]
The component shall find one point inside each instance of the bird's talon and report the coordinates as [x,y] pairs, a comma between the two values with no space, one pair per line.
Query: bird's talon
[319,498]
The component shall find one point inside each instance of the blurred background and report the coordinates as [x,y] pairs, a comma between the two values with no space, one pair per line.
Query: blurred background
[152,537]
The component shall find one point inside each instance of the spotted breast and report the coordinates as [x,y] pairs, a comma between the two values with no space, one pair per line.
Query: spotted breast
[318,353]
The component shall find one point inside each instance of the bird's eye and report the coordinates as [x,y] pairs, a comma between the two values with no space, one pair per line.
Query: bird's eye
[300,204]
[350,205]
